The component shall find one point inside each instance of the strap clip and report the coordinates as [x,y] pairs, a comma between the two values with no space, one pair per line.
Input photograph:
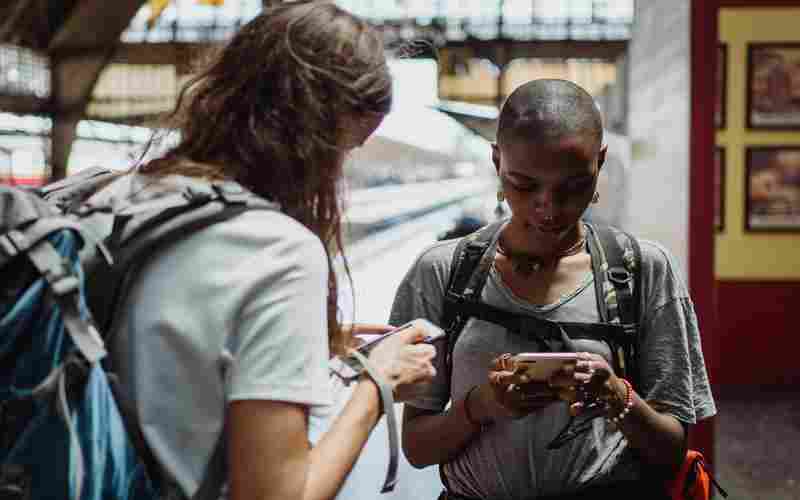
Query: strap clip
[231,192]
[619,275]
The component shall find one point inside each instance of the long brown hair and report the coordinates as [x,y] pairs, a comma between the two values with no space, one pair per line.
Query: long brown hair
[268,109]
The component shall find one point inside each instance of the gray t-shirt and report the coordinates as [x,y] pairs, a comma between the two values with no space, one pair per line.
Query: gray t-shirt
[236,311]
[509,460]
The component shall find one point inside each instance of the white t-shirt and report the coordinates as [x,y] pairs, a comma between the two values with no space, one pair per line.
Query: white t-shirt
[236,311]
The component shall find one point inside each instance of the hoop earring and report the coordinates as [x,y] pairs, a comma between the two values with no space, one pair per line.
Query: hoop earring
[501,196]
[595,197]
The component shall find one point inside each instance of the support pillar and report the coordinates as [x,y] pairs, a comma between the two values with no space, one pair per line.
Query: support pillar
[62,136]
[73,79]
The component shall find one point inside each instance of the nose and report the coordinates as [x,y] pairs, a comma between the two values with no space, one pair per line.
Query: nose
[545,204]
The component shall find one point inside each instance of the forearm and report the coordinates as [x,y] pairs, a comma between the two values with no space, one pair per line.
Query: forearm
[331,460]
[657,437]
[430,439]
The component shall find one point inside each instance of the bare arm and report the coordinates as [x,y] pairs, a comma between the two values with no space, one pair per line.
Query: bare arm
[431,437]
[270,457]
[659,438]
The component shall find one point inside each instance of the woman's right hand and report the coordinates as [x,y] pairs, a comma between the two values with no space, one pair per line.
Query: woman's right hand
[405,363]
[508,394]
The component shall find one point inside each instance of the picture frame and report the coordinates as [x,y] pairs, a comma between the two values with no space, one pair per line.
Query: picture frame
[773,86]
[719,189]
[772,189]
[721,87]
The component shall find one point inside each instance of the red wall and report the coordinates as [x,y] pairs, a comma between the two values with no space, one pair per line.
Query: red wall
[758,333]
[701,209]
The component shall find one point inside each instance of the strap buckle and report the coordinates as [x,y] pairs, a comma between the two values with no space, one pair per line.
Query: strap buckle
[197,196]
[231,192]
[619,275]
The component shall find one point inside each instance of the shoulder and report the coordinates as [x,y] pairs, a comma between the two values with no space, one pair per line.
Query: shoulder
[433,263]
[655,259]
[437,254]
[264,239]
[662,279]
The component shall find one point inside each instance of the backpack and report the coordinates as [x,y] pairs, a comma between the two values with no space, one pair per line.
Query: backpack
[67,432]
[616,259]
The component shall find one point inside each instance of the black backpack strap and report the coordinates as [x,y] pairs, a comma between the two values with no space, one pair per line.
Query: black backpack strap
[469,269]
[618,285]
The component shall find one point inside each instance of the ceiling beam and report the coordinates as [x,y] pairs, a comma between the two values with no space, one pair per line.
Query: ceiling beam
[80,49]
[178,54]
[24,105]
[94,23]
[608,50]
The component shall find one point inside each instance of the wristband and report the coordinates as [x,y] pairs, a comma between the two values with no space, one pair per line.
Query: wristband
[387,403]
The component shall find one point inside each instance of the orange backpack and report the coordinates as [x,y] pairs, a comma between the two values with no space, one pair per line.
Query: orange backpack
[693,481]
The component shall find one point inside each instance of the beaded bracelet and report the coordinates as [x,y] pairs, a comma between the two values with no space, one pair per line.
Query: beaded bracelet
[628,404]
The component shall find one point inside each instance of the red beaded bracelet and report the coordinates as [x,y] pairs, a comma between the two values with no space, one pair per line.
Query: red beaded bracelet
[628,404]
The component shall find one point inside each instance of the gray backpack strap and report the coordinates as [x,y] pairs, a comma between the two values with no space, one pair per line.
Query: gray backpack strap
[65,287]
[387,404]
[618,284]
[72,191]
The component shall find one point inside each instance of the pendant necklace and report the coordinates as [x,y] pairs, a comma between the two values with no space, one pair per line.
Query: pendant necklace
[525,264]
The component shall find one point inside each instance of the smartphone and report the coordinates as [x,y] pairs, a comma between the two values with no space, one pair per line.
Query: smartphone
[540,366]
[432,332]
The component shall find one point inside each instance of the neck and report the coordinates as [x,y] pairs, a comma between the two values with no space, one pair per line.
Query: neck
[527,263]
[519,240]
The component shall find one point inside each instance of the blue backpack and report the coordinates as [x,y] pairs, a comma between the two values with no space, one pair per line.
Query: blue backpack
[65,430]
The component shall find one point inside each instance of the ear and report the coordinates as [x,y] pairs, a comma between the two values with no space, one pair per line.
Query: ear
[496,157]
[601,157]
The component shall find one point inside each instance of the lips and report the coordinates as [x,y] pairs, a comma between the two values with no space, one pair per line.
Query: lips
[551,229]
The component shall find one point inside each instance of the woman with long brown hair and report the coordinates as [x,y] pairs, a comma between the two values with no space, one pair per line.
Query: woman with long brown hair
[230,322]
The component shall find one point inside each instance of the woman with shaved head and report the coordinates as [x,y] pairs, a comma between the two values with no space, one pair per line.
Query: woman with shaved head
[496,434]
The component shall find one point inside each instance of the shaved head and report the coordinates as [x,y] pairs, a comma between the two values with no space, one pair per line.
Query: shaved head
[547,111]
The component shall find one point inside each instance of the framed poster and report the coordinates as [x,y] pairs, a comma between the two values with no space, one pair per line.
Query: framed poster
[720,86]
[772,186]
[773,86]
[719,189]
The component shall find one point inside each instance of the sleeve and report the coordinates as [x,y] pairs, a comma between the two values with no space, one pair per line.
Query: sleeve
[280,350]
[421,295]
[673,371]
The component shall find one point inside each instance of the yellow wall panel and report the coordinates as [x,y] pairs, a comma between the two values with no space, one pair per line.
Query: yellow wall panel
[741,254]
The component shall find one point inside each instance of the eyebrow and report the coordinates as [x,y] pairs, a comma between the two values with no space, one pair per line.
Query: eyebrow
[523,177]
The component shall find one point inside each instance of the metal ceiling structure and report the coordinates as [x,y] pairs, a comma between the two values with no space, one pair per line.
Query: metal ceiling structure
[70,60]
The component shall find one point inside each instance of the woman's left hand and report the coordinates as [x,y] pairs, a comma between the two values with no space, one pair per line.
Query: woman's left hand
[590,379]
[363,332]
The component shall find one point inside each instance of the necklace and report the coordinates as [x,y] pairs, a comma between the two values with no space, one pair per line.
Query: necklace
[526,264]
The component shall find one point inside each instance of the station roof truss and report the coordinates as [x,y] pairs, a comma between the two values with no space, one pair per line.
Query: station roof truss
[101,60]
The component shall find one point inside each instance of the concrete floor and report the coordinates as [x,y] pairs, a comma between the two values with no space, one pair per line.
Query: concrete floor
[758,443]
